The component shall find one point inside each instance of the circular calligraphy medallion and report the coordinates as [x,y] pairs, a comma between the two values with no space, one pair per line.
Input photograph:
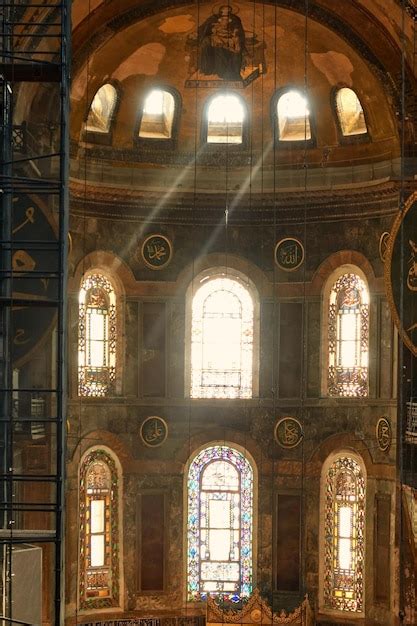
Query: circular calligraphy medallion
[383,245]
[289,254]
[383,434]
[156,251]
[288,432]
[153,431]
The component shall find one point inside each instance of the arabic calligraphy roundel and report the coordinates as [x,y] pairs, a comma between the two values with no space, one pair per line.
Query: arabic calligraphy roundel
[288,432]
[401,273]
[289,254]
[383,434]
[156,251]
[153,431]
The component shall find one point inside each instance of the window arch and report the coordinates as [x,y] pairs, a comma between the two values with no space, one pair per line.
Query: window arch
[158,115]
[222,339]
[220,524]
[350,113]
[343,498]
[225,119]
[99,490]
[292,116]
[97,336]
[348,336]
[102,110]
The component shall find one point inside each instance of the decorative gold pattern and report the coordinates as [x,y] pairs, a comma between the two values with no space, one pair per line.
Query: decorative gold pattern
[392,282]
[257,606]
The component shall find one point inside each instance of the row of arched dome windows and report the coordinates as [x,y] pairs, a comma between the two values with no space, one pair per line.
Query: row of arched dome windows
[220,485]
[226,115]
[222,336]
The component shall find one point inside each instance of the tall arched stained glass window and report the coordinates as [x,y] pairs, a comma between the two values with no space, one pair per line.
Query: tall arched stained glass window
[220,524]
[348,337]
[222,340]
[96,336]
[344,495]
[99,531]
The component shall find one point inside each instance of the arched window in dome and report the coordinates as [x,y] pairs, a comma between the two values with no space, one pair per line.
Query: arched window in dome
[225,119]
[102,110]
[343,494]
[293,117]
[348,337]
[99,531]
[220,524]
[350,113]
[222,332]
[96,336]
[157,115]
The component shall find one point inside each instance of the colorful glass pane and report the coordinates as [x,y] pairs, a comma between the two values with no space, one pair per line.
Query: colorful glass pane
[348,337]
[99,541]
[220,520]
[96,336]
[222,340]
[344,534]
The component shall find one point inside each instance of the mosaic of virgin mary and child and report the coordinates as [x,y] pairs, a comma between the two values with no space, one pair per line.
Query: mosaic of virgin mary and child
[221,47]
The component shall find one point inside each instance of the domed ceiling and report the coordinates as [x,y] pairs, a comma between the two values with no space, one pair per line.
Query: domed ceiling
[149,45]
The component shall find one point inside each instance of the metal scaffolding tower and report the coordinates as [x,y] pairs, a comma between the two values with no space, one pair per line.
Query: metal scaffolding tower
[34,79]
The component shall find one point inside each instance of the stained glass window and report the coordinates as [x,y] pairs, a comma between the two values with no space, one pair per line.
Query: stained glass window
[348,337]
[220,524]
[99,529]
[350,113]
[225,117]
[222,340]
[96,336]
[157,115]
[344,535]
[293,117]
[102,109]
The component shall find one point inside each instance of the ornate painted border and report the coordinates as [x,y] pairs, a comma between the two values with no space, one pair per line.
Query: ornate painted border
[387,272]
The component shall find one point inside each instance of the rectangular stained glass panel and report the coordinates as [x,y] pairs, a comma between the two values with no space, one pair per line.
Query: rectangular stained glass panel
[97,516]
[97,550]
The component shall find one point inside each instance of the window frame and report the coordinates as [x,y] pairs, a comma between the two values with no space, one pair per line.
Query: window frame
[114,598]
[328,287]
[348,139]
[159,143]
[113,336]
[297,143]
[199,280]
[104,139]
[216,146]
[254,504]
[328,463]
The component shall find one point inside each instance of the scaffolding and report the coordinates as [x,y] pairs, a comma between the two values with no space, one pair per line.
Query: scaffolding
[34,77]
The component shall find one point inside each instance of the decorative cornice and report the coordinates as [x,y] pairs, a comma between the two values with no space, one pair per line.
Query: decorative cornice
[281,207]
